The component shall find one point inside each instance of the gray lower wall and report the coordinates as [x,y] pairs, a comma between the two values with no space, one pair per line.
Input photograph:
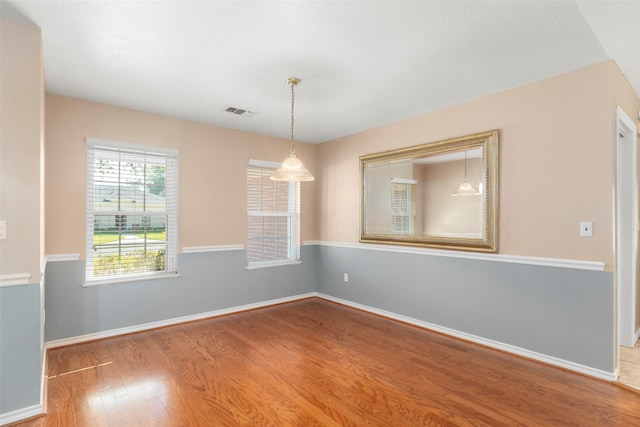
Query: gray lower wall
[21,348]
[208,281]
[560,312]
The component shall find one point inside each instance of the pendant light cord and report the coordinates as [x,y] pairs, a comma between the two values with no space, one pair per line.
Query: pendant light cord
[293,82]
[291,168]
[465,165]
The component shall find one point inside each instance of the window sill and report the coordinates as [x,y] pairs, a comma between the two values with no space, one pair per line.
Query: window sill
[129,279]
[272,264]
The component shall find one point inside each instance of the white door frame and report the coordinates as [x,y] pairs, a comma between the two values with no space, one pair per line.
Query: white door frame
[626,227]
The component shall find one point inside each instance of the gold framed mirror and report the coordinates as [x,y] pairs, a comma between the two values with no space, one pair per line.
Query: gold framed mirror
[442,195]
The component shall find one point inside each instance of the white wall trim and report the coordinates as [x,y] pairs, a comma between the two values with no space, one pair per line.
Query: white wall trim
[14,279]
[217,248]
[548,262]
[58,258]
[61,257]
[174,321]
[21,414]
[514,259]
[565,364]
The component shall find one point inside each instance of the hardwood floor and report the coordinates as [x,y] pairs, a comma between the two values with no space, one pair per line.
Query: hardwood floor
[316,363]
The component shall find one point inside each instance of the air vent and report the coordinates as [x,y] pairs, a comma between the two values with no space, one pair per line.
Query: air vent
[239,111]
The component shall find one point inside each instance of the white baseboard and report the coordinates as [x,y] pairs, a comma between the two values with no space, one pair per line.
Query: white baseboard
[561,363]
[174,321]
[565,364]
[21,414]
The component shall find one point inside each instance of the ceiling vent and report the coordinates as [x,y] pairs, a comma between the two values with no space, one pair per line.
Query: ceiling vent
[239,111]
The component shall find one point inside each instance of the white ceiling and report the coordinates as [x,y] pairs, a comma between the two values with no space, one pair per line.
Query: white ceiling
[362,63]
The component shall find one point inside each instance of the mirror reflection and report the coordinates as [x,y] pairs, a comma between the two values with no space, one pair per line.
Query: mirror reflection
[441,194]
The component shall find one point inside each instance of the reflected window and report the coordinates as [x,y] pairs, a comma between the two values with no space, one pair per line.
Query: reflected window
[403,213]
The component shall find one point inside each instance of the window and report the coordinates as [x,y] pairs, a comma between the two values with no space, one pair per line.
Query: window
[273,214]
[402,206]
[131,211]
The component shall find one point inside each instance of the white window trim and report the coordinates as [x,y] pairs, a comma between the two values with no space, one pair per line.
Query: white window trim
[403,181]
[263,164]
[171,254]
[268,264]
[121,145]
[112,280]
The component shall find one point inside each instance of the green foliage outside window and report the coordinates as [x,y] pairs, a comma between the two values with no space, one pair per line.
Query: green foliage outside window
[132,262]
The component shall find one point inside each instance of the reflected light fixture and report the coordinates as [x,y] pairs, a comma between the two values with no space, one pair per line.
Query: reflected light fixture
[465,189]
[292,168]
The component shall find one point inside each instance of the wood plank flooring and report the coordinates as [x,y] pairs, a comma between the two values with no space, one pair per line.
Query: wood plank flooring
[316,363]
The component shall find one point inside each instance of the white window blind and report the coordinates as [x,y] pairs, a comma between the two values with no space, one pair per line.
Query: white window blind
[402,206]
[273,216]
[131,224]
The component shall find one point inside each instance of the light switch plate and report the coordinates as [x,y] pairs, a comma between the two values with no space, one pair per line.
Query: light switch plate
[586,229]
[3,229]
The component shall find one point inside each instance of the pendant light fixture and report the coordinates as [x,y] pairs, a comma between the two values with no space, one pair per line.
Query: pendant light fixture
[292,168]
[465,189]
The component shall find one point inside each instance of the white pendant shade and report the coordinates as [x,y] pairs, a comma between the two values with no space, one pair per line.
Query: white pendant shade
[465,189]
[292,169]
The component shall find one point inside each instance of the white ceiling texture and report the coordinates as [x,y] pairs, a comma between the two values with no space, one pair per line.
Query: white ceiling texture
[362,63]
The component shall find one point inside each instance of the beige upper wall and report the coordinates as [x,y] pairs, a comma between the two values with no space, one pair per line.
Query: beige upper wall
[21,148]
[556,164]
[212,171]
